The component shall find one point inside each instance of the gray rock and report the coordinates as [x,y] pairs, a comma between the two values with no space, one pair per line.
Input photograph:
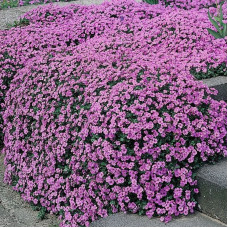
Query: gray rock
[6,219]
[212,183]
[211,82]
[132,220]
[222,92]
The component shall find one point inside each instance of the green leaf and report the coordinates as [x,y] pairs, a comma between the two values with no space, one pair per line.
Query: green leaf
[221,15]
[66,169]
[214,22]
[103,163]
[214,33]
[224,32]
[217,18]
[113,202]
[41,214]
[86,106]
[141,212]
[61,212]
[151,1]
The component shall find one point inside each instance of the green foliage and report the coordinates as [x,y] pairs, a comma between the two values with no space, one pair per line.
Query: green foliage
[86,106]
[8,3]
[4,4]
[22,22]
[221,70]
[41,210]
[54,225]
[36,207]
[217,22]
[67,171]
[152,2]
[15,180]
[132,117]
[113,83]
[42,213]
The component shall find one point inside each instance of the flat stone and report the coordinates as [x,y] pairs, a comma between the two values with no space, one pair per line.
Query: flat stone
[133,220]
[6,220]
[212,183]
[220,84]
[211,82]
[222,92]
[216,173]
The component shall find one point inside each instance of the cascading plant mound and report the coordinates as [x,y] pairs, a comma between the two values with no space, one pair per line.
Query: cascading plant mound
[109,123]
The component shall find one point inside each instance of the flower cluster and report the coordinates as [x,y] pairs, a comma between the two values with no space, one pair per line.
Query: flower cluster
[101,112]
[184,4]
[189,4]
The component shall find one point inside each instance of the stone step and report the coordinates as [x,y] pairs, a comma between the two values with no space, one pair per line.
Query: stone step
[220,84]
[211,82]
[212,183]
[132,220]
[212,204]
[222,92]
[212,179]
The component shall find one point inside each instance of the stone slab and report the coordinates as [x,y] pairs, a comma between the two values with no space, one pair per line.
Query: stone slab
[6,220]
[216,173]
[212,183]
[132,220]
[211,82]
[220,84]
[222,92]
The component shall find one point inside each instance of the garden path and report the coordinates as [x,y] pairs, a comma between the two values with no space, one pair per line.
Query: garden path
[8,16]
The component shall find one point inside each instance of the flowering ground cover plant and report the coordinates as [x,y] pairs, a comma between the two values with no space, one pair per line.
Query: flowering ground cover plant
[184,4]
[102,112]
[189,4]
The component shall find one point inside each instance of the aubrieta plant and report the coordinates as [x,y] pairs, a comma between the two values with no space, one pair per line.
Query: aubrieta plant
[184,4]
[190,4]
[101,114]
